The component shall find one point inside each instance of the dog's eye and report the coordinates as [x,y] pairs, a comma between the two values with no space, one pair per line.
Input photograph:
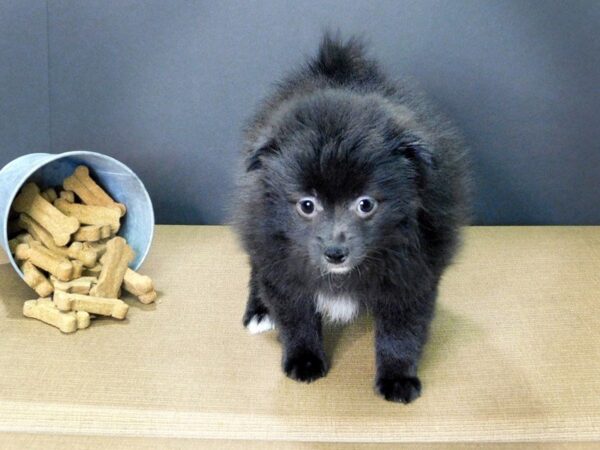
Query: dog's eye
[307,207]
[365,206]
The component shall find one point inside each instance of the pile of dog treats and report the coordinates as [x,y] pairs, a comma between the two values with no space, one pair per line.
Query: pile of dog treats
[70,254]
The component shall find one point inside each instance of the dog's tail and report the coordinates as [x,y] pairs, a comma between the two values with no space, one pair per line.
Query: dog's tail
[343,61]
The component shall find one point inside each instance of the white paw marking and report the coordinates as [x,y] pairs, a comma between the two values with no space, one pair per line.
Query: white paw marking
[337,308]
[265,324]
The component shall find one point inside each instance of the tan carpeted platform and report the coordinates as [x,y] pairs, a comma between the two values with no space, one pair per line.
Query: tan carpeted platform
[514,356]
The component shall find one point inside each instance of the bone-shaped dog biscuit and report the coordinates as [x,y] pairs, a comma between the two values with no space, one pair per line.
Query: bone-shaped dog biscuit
[26,238]
[12,245]
[99,247]
[78,286]
[77,269]
[88,191]
[92,271]
[41,234]
[46,311]
[83,319]
[93,233]
[115,262]
[49,195]
[23,238]
[88,256]
[45,259]
[93,305]
[36,280]
[67,195]
[58,224]
[88,233]
[148,298]
[139,285]
[22,252]
[106,232]
[91,215]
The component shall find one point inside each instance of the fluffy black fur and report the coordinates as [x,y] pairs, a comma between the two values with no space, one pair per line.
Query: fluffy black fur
[337,130]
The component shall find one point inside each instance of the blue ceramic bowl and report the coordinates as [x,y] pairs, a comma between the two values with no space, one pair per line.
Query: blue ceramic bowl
[48,170]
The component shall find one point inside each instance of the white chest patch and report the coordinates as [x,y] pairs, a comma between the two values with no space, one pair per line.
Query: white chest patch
[337,308]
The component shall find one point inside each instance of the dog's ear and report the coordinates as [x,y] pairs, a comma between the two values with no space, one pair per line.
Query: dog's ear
[258,151]
[418,152]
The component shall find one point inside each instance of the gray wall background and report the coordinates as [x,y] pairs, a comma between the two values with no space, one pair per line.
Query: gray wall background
[165,86]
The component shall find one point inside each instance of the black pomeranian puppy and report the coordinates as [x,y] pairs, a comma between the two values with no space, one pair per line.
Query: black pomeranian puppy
[352,199]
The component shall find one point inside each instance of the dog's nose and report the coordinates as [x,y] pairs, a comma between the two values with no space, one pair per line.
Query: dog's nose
[336,255]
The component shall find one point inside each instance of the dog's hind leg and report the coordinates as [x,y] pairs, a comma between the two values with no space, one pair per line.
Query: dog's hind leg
[256,318]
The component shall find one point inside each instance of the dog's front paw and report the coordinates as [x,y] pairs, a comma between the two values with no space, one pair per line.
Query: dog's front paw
[305,366]
[399,389]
